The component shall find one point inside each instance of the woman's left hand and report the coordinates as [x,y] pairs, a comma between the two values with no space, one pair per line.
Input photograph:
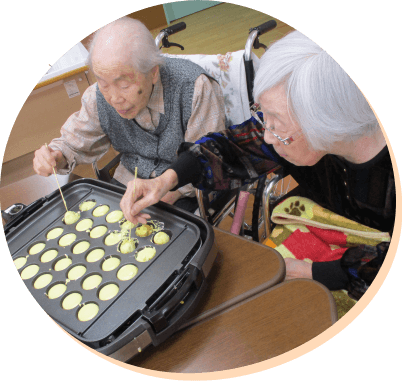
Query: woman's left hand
[171,197]
[296,268]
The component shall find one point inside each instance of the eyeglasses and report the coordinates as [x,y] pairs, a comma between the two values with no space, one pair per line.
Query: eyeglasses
[256,108]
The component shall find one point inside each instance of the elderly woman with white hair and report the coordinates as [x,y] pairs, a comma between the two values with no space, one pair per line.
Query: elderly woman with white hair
[316,123]
[143,104]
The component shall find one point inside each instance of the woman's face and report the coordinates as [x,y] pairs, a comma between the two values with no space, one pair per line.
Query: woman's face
[274,106]
[126,90]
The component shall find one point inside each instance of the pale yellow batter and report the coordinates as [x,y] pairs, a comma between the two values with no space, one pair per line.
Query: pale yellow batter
[91,282]
[49,255]
[54,233]
[56,291]
[108,292]
[43,281]
[110,264]
[29,271]
[161,238]
[19,262]
[71,217]
[62,264]
[114,216]
[98,231]
[35,249]
[145,254]
[84,225]
[100,211]
[143,231]
[128,245]
[127,272]
[113,238]
[87,205]
[80,247]
[67,239]
[127,225]
[88,312]
[95,255]
[71,301]
[76,272]
[156,225]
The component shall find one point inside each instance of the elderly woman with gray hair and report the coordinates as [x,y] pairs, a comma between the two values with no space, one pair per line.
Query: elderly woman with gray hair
[143,105]
[316,123]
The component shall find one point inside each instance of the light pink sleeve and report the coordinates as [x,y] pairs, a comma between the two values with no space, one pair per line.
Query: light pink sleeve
[82,139]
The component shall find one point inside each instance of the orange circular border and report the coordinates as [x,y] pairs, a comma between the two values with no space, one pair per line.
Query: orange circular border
[318,340]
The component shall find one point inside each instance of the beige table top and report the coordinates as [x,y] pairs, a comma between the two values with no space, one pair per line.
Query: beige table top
[246,316]
[30,189]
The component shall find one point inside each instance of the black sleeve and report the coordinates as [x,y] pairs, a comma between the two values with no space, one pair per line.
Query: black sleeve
[355,271]
[330,274]
[361,265]
[188,169]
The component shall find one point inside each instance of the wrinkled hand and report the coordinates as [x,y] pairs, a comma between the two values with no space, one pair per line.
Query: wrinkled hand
[171,197]
[296,268]
[147,192]
[45,159]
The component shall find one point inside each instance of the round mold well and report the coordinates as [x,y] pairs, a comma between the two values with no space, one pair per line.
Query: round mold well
[36,248]
[167,232]
[145,254]
[87,205]
[101,210]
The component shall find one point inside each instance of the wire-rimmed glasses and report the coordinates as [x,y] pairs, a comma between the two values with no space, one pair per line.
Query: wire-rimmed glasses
[256,108]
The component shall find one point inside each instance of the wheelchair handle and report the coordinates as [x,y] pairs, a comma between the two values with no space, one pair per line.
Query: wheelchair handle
[264,28]
[174,28]
[163,35]
[252,40]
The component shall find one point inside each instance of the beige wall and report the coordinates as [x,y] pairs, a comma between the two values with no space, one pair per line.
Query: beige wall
[42,116]
[47,108]
[152,17]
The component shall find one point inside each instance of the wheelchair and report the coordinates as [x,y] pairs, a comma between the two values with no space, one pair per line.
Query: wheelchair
[235,74]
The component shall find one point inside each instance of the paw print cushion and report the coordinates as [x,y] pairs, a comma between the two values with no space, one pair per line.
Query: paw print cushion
[308,232]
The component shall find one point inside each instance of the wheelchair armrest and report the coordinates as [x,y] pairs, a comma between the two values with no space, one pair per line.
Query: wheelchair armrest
[201,204]
[267,194]
[223,207]
[107,172]
[270,201]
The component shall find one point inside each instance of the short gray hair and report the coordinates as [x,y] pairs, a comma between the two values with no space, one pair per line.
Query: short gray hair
[144,54]
[322,98]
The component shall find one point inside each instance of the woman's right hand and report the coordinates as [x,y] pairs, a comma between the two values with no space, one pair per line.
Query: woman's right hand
[146,193]
[45,159]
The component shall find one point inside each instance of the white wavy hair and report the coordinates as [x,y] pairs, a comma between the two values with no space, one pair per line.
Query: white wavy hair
[322,98]
[134,36]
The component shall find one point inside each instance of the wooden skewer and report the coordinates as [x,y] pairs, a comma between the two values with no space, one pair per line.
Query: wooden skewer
[55,175]
[135,178]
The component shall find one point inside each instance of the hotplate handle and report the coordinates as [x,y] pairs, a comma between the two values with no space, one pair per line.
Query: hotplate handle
[12,212]
[178,292]
[16,213]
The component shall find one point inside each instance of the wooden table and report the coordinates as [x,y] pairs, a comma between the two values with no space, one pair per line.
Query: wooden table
[247,315]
